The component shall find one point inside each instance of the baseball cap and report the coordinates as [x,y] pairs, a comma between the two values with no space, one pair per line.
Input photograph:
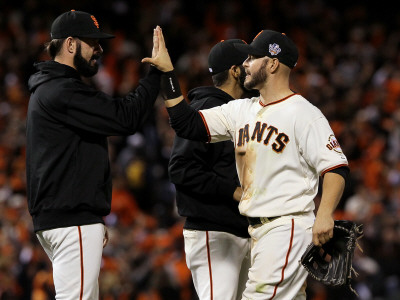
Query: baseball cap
[79,24]
[224,55]
[272,44]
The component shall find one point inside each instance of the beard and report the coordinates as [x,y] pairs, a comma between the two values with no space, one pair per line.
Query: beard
[83,66]
[258,77]
[247,93]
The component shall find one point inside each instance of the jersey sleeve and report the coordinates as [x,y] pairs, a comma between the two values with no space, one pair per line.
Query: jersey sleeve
[320,148]
[219,122]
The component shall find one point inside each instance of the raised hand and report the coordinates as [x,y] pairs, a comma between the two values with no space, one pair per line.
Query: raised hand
[160,57]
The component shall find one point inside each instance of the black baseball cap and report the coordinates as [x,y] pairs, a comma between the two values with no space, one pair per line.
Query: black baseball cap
[224,55]
[79,24]
[272,44]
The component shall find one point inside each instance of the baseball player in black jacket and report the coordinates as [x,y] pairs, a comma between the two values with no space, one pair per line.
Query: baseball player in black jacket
[215,234]
[68,170]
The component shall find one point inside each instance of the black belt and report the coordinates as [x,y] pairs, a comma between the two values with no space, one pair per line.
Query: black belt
[253,221]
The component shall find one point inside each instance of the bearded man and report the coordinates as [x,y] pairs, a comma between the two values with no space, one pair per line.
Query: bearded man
[67,164]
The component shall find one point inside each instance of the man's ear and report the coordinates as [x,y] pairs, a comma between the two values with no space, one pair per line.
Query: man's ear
[70,43]
[273,64]
[235,71]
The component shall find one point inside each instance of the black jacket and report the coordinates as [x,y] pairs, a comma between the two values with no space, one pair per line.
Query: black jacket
[205,176]
[68,122]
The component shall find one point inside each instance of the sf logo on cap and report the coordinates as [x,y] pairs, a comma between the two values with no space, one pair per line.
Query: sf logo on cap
[274,49]
[95,21]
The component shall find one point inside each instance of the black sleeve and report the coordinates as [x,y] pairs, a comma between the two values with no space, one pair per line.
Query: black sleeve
[97,112]
[187,122]
[342,171]
[191,168]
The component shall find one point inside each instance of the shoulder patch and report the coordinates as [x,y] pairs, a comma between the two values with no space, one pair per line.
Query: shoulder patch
[333,144]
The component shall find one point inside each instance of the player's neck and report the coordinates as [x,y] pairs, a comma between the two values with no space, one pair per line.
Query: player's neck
[274,94]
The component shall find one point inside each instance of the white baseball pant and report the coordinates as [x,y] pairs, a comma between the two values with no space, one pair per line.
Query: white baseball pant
[276,272]
[219,263]
[75,253]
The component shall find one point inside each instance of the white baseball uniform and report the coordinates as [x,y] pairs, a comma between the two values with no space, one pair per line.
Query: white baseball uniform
[75,253]
[281,150]
[216,258]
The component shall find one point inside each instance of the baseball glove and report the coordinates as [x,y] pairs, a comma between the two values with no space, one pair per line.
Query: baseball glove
[331,264]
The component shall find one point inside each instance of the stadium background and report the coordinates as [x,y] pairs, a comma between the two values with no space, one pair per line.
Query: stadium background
[348,67]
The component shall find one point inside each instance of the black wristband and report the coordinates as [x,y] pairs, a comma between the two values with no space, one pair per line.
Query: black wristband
[170,88]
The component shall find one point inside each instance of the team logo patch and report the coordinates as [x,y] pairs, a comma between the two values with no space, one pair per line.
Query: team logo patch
[274,49]
[333,144]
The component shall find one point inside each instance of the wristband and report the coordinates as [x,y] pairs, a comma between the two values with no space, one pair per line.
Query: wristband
[170,88]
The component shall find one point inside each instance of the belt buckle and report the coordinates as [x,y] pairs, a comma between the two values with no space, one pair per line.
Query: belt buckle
[264,220]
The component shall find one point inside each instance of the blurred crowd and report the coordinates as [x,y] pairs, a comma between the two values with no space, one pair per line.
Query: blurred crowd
[349,67]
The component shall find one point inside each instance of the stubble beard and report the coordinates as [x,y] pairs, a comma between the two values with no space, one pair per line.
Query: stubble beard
[247,93]
[257,78]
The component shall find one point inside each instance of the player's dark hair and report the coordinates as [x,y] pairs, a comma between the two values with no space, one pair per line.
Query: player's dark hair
[220,78]
[53,47]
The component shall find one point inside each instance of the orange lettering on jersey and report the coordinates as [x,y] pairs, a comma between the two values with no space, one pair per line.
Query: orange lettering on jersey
[246,135]
[243,136]
[259,131]
[280,142]
[240,138]
[271,130]
[280,139]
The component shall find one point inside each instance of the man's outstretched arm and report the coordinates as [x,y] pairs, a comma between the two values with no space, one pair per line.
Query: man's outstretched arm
[185,120]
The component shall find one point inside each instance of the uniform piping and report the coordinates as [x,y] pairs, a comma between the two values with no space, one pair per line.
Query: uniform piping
[286,262]
[209,266]
[81,253]
[205,124]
